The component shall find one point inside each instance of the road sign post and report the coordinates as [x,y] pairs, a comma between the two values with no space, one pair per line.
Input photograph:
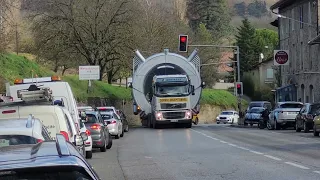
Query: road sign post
[89,73]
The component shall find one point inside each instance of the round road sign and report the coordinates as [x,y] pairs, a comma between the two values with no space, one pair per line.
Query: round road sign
[281,57]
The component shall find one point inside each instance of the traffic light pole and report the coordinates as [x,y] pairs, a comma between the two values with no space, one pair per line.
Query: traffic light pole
[238,67]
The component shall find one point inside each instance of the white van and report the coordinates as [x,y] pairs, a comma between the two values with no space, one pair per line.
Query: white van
[60,91]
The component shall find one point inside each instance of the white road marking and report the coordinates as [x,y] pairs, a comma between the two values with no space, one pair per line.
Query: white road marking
[232,145]
[297,165]
[272,157]
[318,172]
[223,142]
[243,148]
[256,152]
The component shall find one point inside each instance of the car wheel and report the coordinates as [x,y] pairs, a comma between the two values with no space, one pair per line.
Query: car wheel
[305,127]
[197,121]
[122,133]
[218,122]
[109,142]
[315,132]
[297,127]
[88,154]
[104,148]
[269,125]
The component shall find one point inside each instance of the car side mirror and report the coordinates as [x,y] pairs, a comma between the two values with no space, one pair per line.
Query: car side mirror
[192,90]
[203,84]
[84,136]
[78,141]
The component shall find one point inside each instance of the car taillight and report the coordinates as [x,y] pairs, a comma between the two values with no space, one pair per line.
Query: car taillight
[113,122]
[96,126]
[39,140]
[88,132]
[65,134]
[8,111]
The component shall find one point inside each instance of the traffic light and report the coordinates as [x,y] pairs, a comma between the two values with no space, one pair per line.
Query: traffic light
[239,88]
[183,43]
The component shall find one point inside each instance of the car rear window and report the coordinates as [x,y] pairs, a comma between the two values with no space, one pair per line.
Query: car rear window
[91,118]
[46,173]
[291,105]
[256,110]
[106,116]
[9,140]
[255,105]
[226,113]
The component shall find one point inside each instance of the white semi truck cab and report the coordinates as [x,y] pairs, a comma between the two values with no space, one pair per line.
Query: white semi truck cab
[171,101]
[166,88]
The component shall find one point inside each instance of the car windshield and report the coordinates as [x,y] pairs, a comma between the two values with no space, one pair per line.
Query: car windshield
[256,110]
[9,140]
[106,116]
[91,118]
[172,90]
[315,108]
[291,105]
[255,105]
[51,173]
[226,113]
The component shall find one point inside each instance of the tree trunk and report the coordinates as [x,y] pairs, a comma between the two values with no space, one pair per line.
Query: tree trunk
[126,83]
[120,81]
[64,70]
[56,67]
[110,77]
[101,73]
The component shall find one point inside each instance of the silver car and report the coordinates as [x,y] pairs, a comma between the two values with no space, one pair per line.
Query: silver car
[284,115]
[113,123]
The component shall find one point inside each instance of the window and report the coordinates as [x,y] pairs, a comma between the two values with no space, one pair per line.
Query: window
[91,118]
[301,16]
[291,105]
[46,173]
[311,93]
[45,134]
[292,20]
[106,116]
[9,140]
[269,73]
[68,124]
[301,55]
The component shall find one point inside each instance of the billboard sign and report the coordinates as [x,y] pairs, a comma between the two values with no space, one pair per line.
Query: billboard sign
[281,57]
[89,72]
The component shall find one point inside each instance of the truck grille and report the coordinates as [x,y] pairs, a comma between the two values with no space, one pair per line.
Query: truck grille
[173,115]
[173,106]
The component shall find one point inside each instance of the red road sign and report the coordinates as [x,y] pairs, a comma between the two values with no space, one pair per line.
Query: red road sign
[281,57]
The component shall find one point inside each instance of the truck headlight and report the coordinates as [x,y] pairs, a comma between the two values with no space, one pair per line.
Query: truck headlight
[188,115]
[158,115]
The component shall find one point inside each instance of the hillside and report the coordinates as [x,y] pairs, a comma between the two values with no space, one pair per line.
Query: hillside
[13,66]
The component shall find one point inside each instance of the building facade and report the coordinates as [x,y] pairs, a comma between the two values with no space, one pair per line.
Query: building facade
[298,25]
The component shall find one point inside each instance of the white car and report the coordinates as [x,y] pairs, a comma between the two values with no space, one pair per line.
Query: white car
[229,117]
[113,123]
[88,142]
[22,131]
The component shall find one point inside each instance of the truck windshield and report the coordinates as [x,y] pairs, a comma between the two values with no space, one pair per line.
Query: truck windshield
[172,90]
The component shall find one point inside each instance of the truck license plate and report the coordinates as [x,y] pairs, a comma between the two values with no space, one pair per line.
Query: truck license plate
[174,120]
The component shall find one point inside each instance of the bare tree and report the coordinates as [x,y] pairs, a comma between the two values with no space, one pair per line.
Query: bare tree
[98,30]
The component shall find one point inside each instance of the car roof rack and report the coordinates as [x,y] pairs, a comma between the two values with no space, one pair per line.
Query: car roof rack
[35,93]
[62,146]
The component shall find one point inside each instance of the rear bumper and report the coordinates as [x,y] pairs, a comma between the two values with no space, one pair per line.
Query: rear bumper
[252,121]
[113,131]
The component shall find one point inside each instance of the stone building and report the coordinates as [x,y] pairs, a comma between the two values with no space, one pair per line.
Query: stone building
[298,26]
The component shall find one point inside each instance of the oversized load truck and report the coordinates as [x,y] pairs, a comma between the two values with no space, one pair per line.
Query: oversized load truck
[166,88]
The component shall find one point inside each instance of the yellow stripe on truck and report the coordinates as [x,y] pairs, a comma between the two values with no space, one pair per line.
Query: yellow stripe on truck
[173,100]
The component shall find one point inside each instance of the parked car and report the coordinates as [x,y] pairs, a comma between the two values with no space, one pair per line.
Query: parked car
[254,115]
[113,123]
[22,131]
[49,160]
[100,134]
[262,104]
[88,142]
[124,120]
[304,119]
[228,117]
[284,115]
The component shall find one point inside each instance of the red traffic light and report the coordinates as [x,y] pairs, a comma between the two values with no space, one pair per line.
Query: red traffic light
[183,39]
[238,86]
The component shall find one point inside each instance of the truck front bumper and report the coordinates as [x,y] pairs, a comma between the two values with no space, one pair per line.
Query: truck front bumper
[176,121]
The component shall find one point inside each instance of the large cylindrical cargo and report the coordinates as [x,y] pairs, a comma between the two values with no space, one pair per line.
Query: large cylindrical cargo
[165,63]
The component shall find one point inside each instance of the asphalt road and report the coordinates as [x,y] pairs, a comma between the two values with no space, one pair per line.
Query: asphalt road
[212,152]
